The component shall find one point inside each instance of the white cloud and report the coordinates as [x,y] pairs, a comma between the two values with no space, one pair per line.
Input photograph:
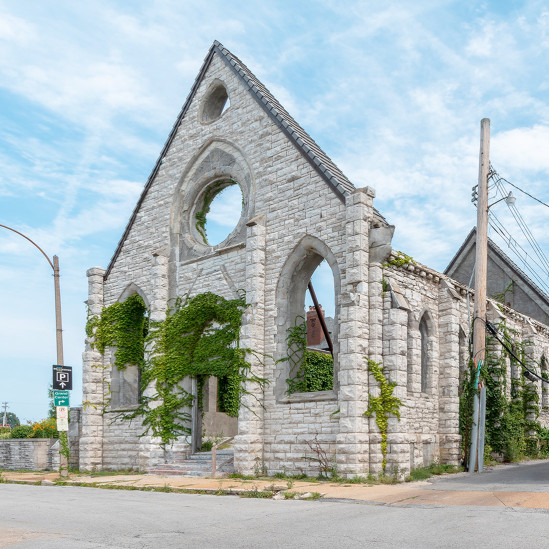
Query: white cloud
[523,149]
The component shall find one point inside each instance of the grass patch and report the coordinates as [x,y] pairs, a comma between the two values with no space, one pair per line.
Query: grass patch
[423,473]
[255,493]
[242,477]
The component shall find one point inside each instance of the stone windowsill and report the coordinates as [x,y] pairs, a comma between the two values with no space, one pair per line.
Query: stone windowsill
[122,409]
[316,396]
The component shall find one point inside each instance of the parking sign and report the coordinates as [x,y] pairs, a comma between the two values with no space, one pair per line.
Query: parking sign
[62,377]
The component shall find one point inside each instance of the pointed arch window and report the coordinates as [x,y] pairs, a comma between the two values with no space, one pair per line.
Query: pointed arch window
[424,349]
[544,367]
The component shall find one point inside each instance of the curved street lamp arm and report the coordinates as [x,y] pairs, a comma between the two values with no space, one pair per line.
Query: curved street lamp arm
[32,242]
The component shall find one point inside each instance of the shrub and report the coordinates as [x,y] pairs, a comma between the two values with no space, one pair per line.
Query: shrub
[47,428]
[21,431]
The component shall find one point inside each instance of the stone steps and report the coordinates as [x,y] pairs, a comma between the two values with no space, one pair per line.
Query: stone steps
[198,465]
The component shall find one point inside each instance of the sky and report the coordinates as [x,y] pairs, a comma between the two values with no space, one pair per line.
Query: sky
[392,91]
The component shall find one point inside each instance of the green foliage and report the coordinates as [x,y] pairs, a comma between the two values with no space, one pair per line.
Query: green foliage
[400,260]
[21,431]
[207,446]
[502,296]
[64,443]
[11,419]
[209,195]
[124,326]
[47,428]
[314,371]
[423,473]
[51,403]
[512,429]
[199,338]
[382,405]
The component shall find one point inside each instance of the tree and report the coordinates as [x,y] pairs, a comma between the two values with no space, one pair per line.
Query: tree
[12,419]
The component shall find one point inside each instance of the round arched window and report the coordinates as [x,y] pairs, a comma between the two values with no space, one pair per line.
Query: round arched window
[218,211]
[215,103]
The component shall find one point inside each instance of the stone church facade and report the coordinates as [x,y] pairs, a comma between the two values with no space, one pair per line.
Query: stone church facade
[298,210]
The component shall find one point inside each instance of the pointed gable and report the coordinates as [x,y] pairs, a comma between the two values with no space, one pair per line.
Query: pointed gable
[307,147]
[526,297]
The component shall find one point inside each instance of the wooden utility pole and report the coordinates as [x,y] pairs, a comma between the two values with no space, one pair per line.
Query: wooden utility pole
[476,457]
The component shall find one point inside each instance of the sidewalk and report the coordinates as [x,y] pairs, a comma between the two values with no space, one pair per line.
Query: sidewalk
[412,493]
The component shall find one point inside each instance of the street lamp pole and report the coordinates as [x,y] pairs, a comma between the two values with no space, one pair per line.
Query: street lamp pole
[55,266]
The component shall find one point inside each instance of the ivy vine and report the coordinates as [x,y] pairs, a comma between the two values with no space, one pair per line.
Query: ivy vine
[382,405]
[400,260]
[122,325]
[512,429]
[200,337]
[314,371]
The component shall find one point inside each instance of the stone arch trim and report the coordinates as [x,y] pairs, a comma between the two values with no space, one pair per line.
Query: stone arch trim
[212,106]
[415,352]
[132,289]
[217,160]
[296,272]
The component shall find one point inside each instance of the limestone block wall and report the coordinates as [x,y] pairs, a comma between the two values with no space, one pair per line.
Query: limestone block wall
[276,182]
[121,443]
[28,454]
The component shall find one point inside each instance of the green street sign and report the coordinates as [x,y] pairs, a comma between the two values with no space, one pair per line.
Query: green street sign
[61,398]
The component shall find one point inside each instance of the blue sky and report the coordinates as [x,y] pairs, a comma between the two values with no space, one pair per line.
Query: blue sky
[393,92]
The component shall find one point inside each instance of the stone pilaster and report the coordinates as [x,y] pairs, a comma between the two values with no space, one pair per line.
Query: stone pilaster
[248,445]
[448,384]
[352,439]
[151,453]
[91,441]
[395,345]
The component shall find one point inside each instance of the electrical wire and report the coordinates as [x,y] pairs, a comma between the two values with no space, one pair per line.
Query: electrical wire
[523,226]
[495,181]
[494,331]
[523,254]
[498,177]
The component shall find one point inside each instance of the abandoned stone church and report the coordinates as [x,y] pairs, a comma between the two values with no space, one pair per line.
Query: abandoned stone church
[298,209]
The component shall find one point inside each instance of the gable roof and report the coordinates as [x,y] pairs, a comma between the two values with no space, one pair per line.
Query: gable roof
[303,142]
[493,248]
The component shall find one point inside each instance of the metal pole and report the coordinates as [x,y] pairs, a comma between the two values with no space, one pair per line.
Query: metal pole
[58,324]
[476,461]
[321,319]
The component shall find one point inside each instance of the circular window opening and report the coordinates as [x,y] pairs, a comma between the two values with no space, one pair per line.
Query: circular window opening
[215,104]
[220,210]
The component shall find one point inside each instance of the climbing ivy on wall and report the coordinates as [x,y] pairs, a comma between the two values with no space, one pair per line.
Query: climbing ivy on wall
[382,405]
[211,192]
[314,371]
[199,338]
[512,429]
[122,325]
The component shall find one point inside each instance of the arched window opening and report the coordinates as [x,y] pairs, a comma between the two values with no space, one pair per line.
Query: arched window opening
[218,211]
[311,339]
[424,336]
[304,362]
[215,104]
[132,329]
[463,356]
[544,368]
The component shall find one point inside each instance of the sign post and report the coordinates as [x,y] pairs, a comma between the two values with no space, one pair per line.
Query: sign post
[62,384]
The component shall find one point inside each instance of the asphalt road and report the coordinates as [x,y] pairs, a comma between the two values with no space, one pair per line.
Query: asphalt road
[86,518]
[532,476]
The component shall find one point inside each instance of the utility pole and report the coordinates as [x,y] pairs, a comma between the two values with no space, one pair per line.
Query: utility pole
[5,419]
[476,456]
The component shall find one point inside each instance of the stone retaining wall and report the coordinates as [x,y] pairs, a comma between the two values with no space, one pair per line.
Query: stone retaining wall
[26,453]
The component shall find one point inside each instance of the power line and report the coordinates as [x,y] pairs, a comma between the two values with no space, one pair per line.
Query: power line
[497,177]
